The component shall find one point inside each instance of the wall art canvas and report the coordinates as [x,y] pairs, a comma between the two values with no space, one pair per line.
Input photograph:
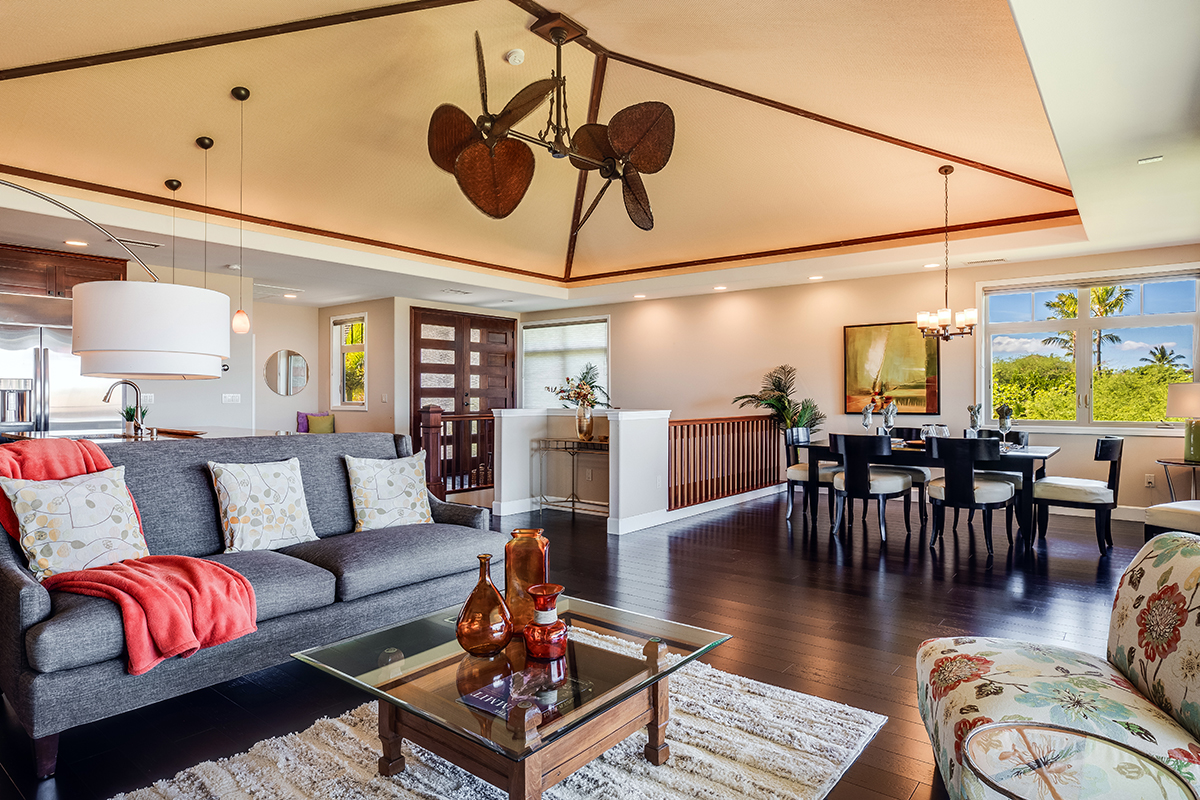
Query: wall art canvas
[891,361]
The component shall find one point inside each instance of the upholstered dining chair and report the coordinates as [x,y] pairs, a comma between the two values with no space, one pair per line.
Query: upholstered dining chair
[921,476]
[1020,438]
[797,473]
[1100,496]
[962,486]
[859,480]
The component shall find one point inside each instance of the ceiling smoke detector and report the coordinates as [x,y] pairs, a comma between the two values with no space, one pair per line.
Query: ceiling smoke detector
[515,57]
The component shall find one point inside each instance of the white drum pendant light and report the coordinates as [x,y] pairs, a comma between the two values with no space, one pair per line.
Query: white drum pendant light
[138,329]
[149,331]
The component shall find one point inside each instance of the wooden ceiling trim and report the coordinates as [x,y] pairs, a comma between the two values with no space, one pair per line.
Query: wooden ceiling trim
[539,11]
[835,123]
[270,223]
[593,114]
[809,248]
[224,38]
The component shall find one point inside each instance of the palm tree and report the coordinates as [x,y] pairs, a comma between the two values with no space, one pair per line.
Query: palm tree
[1106,301]
[1161,357]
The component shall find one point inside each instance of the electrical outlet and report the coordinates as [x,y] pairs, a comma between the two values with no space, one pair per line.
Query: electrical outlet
[147,398]
[587,474]
[231,398]
[1149,481]
[660,481]
[384,400]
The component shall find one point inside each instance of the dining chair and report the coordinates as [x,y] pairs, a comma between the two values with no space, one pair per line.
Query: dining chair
[921,476]
[1020,438]
[962,486]
[859,480]
[1100,496]
[797,473]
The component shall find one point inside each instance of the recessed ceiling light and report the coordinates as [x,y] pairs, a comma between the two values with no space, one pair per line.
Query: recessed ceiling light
[233,266]
[816,277]
[290,296]
[639,297]
[1150,160]
[932,266]
[718,288]
[75,243]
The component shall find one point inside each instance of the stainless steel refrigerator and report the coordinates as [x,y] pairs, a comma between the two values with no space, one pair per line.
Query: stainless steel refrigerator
[40,385]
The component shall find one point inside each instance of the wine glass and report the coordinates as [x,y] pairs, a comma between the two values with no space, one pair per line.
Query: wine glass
[1005,427]
[926,432]
[942,431]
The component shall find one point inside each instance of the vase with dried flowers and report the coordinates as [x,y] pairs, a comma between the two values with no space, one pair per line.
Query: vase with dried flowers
[584,392]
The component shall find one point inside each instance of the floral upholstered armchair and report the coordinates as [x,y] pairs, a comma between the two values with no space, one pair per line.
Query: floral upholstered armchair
[1146,695]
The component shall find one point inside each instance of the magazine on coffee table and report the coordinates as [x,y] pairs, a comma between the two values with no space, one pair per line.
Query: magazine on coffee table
[498,697]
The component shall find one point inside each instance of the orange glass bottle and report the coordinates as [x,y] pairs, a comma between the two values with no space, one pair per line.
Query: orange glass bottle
[484,626]
[526,564]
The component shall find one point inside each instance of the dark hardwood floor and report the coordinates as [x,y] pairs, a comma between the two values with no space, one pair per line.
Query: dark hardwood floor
[837,618]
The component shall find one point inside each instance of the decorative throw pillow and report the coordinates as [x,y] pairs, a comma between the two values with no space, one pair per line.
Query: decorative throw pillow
[388,491]
[76,523]
[262,505]
[302,420]
[320,424]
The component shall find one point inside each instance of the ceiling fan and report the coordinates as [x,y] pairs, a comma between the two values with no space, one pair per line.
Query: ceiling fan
[494,164]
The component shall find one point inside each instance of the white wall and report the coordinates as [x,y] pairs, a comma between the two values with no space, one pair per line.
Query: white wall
[197,405]
[278,326]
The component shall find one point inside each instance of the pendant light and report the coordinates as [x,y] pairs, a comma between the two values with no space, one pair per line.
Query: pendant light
[936,324]
[241,320]
[143,329]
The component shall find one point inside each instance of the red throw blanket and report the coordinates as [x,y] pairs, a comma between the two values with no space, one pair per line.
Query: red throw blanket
[171,605]
[46,460]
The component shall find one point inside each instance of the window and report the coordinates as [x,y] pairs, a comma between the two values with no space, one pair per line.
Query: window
[1090,352]
[555,351]
[350,361]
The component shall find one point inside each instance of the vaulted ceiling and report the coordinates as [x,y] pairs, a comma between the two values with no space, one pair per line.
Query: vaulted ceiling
[803,127]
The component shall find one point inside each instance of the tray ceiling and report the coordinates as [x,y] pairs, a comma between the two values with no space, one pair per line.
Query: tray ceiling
[800,125]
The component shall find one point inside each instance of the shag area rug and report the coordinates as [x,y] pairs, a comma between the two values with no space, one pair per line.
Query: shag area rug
[730,737]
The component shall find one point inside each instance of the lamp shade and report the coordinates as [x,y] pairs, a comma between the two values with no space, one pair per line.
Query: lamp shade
[241,322]
[149,331]
[1183,400]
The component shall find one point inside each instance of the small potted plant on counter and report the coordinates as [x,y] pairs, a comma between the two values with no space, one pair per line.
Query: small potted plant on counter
[130,415]
[798,420]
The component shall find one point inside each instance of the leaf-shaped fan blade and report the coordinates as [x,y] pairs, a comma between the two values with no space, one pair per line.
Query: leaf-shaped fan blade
[482,73]
[450,131]
[644,134]
[495,178]
[521,106]
[637,204]
[591,140]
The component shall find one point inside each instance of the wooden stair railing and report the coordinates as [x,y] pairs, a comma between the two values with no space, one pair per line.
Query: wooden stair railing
[466,446]
[720,457]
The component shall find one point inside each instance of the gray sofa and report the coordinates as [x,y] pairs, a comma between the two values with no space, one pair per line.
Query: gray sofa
[62,659]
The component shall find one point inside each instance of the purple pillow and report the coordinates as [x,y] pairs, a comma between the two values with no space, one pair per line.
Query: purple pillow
[302,419]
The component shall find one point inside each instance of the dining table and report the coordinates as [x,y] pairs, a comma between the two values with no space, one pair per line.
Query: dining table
[1029,461]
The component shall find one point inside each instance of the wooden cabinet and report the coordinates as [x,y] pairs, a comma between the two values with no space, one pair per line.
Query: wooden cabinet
[27,270]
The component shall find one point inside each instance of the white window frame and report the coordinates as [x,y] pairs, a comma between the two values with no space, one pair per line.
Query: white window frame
[1084,323]
[336,362]
[542,323]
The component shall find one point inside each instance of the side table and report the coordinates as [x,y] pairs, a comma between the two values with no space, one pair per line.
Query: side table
[572,447]
[1167,463]
[1035,761]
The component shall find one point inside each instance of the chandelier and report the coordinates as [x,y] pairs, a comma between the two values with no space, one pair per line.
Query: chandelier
[937,324]
[493,163]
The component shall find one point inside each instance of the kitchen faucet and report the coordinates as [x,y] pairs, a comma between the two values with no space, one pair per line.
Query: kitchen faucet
[137,403]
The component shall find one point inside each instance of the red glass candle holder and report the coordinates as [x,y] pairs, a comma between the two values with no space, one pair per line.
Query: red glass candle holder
[546,635]
[484,627]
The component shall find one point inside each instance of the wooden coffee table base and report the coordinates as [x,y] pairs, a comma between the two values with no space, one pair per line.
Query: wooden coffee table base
[545,766]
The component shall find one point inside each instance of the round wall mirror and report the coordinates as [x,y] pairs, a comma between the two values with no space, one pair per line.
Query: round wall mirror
[286,372]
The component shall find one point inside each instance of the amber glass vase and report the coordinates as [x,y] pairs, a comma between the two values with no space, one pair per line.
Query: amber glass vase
[484,626]
[525,565]
[546,636]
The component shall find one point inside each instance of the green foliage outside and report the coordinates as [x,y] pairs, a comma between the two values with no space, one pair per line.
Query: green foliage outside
[353,388]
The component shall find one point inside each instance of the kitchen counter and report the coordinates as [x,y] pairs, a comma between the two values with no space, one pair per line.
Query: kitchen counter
[109,436]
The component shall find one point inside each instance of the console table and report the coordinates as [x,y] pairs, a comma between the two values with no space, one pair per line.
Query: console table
[1167,463]
[572,447]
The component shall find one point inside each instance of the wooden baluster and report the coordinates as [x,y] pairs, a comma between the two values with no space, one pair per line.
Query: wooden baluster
[431,442]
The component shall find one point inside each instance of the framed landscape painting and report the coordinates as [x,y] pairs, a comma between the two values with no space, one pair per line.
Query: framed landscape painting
[891,361]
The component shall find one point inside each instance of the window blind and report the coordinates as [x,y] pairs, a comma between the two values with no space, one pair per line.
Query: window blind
[552,353]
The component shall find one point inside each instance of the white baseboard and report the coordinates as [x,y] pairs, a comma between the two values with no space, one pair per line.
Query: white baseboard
[1127,513]
[631,524]
[506,507]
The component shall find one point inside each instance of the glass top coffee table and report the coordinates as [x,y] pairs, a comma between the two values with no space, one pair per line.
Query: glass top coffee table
[519,723]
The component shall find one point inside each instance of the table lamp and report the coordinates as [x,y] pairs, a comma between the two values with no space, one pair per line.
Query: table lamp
[1183,400]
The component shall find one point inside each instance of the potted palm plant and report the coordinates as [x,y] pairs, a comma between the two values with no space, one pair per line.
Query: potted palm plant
[798,419]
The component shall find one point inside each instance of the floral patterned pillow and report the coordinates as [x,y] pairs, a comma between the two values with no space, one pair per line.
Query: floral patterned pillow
[1153,638]
[262,506]
[388,491]
[76,523]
